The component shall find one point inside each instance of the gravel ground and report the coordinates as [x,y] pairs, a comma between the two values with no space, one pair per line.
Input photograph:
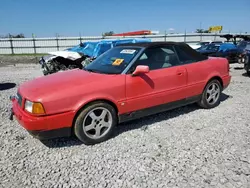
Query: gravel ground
[16,59]
[185,147]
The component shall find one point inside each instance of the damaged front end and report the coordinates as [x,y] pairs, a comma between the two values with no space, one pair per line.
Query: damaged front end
[63,60]
[80,55]
[72,58]
[59,63]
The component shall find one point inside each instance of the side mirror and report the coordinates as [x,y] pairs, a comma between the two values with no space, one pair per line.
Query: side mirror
[140,69]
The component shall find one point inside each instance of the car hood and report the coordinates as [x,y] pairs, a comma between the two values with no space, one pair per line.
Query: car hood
[66,54]
[58,82]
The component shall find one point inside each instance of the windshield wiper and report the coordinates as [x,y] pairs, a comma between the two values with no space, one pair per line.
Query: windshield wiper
[96,71]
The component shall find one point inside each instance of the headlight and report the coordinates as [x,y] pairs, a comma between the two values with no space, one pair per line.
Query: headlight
[34,107]
[41,60]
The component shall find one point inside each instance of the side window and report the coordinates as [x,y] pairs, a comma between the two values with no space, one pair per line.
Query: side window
[143,57]
[157,58]
[142,60]
[184,57]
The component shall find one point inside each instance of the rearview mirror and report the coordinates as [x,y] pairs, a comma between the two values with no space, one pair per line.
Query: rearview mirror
[140,69]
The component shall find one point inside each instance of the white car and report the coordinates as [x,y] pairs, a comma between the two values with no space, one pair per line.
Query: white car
[199,44]
[195,46]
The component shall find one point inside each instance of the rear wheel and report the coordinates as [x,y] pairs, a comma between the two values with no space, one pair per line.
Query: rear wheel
[95,123]
[211,95]
[243,59]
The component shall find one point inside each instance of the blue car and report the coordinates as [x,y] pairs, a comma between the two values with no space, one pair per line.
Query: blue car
[244,56]
[243,46]
[226,50]
[244,50]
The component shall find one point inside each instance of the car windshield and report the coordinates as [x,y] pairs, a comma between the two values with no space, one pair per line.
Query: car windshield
[202,43]
[216,42]
[213,47]
[114,61]
[210,47]
[204,47]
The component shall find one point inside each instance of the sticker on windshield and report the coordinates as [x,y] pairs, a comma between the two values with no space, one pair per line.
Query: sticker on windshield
[127,51]
[117,62]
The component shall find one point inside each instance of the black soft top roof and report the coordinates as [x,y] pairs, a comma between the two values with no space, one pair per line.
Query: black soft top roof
[183,46]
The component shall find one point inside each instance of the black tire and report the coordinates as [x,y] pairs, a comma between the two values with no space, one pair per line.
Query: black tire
[248,72]
[204,102]
[83,115]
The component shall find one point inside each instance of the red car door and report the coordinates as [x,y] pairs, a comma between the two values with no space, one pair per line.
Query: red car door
[164,82]
[198,71]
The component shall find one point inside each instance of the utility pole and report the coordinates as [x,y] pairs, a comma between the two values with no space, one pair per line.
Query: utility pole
[80,35]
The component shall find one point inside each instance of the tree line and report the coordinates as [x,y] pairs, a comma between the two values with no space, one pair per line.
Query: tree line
[20,35]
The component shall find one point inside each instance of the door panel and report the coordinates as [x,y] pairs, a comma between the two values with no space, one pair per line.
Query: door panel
[155,88]
[198,69]
[197,74]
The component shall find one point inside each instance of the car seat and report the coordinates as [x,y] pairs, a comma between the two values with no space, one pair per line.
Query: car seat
[157,60]
[167,62]
[173,60]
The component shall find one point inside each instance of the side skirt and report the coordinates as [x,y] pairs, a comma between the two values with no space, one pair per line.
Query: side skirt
[157,109]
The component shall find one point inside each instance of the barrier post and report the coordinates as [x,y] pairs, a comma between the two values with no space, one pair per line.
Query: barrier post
[34,45]
[11,45]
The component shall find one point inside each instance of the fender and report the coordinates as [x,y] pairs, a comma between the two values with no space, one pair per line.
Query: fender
[213,75]
[221,69]
[101,96]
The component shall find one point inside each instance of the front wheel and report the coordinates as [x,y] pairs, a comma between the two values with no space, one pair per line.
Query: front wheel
[95,123]
[211,95]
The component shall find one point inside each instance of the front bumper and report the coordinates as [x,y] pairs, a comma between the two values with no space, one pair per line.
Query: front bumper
[44,127]
[50,134]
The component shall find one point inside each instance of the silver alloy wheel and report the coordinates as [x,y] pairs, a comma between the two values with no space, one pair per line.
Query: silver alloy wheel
[213,93]
[97,123]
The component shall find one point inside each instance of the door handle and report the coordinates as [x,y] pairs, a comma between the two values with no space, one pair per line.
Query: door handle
[179,73]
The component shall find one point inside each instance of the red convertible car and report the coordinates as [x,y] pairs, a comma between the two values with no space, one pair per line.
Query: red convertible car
[127,82]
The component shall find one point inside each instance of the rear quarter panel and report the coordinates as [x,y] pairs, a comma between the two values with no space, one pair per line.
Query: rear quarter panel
[200,73]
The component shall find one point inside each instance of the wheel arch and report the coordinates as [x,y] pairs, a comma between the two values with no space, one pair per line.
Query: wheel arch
[78,111]
[203,103]
[216,77]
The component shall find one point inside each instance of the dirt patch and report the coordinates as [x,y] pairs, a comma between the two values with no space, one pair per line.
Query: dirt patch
[16,59]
